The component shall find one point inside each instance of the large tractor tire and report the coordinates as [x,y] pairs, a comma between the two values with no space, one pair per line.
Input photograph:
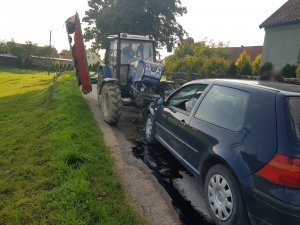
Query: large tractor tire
[111,103]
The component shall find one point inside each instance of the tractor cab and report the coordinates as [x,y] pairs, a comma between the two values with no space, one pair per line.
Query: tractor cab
[130,75]
[128,56]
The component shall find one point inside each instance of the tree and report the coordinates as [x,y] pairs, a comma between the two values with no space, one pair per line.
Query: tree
[266,69]
[256,64]
[25,51]
[298,72]
[96,66]
[3,47]
[232,70]
[201,57]
[289,71]
[215,65]
[153,17]
[90,67]
[65,54]
[246,69]
[243,62]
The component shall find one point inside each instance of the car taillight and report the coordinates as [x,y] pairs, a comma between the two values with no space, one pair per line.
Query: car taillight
[282,170]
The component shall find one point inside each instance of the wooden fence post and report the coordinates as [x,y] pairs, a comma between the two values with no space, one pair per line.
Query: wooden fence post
[51,90]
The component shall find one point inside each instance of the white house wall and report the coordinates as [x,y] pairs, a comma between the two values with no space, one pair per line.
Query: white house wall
[282,45]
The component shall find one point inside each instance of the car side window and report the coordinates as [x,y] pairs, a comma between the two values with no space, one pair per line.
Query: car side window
[224,107]
[186,98]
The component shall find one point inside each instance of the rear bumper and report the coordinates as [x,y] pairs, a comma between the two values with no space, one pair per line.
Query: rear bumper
[267,209]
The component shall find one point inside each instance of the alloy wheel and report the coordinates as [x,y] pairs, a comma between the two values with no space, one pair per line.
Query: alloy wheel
[220,197]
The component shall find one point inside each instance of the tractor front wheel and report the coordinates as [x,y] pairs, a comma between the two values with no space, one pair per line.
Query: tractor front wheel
[111,103]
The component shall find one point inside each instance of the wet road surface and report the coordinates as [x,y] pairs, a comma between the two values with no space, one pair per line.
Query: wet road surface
[175,179]
[184,190]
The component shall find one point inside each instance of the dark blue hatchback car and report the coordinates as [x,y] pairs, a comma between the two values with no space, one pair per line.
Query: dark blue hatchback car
[242,140]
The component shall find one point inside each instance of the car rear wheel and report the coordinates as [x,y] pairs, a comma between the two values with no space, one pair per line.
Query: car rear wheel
[150,129]
[223,197]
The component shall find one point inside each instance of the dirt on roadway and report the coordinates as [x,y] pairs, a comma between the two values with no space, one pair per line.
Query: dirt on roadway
[150,198]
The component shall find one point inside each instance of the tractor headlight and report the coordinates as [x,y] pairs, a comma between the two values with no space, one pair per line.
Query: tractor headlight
[153,71]
[148,70]
[158,72]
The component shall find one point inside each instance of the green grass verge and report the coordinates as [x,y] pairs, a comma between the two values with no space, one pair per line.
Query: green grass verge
[54,167]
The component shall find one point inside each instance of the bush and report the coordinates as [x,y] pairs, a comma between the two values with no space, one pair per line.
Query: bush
[266,69]
[289,71]
[201,57]
[232,70]
[215,66]
[246,69]
[298,72]
[256,64]
[243,63]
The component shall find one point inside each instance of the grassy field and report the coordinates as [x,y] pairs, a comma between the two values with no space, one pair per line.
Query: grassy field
[54,167]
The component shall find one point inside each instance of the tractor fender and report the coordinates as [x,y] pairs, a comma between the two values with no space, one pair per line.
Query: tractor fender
[105,70]
[105,81]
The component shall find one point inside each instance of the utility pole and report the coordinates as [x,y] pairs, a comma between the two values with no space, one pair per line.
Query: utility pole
[49,52]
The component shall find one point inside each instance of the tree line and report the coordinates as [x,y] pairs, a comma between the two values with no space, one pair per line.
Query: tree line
[209,58]
[25,51]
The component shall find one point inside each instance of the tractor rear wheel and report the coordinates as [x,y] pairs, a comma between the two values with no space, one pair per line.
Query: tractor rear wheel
[111,103]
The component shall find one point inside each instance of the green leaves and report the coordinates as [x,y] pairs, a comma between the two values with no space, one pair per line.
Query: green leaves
[24,51]
[289,71]
[143,17]
[201,57]
[298,72]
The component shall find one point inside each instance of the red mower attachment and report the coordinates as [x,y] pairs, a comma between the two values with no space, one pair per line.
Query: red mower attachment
[73,27]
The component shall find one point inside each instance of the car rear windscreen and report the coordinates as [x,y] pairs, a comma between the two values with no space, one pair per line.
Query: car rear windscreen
[293,106]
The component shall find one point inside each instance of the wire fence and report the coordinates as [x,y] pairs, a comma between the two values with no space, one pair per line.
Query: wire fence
[53,85]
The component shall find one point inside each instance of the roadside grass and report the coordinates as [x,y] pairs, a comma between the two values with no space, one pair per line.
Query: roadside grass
[54,166]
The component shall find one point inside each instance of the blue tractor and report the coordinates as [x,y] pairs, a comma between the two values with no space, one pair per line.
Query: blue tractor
[130,75]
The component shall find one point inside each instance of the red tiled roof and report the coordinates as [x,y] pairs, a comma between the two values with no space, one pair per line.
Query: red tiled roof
[252,51]
[289,13]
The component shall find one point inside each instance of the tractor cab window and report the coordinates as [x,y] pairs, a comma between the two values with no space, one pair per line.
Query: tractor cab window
[136,50]
[113,52]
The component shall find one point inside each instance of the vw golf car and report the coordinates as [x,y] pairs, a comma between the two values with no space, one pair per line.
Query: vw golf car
[241,139]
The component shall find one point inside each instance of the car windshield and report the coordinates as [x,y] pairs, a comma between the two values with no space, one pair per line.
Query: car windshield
[136,50]
[293,106]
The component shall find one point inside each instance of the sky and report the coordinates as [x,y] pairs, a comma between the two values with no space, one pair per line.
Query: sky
[233,21]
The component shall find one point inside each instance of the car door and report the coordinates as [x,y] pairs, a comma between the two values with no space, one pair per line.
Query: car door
[216,123]
[175,115]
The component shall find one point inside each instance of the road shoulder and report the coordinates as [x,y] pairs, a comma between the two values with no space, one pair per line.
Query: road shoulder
[149,197]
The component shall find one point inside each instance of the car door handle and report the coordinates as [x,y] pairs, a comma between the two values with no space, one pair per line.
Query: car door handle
[183,123]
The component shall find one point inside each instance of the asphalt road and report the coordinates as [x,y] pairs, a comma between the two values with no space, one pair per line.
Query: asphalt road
[163,191]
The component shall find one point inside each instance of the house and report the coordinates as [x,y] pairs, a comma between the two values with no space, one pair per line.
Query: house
[8,60]
[92,58]
[282,38]
[253,51]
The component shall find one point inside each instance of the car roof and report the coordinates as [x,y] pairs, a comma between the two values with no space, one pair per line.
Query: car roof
[274,86]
